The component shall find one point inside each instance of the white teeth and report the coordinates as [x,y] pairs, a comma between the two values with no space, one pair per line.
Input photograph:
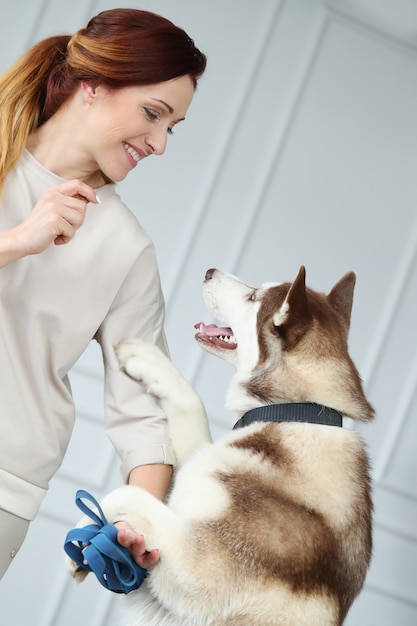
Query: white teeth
[131,151]
[227,339]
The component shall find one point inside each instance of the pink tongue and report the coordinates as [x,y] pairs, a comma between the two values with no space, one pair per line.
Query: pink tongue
[211,330]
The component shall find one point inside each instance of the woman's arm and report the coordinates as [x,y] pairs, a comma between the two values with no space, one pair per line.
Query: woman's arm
[10,247]
[154,478]
[135,423]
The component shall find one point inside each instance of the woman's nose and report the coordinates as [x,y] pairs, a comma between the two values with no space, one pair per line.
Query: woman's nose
[157,141]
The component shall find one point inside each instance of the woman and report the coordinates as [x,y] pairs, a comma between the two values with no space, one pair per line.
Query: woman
[76,115]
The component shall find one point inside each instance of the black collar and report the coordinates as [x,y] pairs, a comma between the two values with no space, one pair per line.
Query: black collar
[292,412]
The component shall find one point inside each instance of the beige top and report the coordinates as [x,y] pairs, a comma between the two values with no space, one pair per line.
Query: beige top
[104,284]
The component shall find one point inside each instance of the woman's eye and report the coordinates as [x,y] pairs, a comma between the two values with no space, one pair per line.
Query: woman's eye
[151,114]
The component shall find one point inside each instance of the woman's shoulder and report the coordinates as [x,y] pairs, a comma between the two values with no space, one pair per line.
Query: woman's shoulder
[112,214]
[111,203]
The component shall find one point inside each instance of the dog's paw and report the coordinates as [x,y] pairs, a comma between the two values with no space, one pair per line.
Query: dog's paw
[144,362]
[138,359]
[130,355]
[74,570]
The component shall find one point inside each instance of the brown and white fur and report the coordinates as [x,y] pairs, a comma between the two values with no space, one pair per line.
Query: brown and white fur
[270,525]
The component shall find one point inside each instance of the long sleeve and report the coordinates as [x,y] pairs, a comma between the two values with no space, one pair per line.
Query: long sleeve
[134,422]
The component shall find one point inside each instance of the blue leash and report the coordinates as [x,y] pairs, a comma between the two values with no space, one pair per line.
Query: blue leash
[95,548]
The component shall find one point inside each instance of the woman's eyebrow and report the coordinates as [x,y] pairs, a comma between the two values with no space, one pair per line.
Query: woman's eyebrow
[169,107]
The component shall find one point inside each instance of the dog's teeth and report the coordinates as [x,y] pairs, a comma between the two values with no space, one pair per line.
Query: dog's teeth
[227,339]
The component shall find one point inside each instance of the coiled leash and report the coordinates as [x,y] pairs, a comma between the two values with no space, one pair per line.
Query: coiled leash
[95,548]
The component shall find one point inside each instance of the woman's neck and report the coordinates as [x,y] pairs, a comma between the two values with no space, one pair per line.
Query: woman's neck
[58,146]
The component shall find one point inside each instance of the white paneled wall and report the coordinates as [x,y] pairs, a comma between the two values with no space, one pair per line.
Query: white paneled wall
[300,148]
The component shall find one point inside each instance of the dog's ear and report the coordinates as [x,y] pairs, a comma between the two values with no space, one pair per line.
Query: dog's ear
[294,316]
[297,297]
[341,296]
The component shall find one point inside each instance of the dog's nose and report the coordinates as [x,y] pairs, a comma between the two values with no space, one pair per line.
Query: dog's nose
[209,273]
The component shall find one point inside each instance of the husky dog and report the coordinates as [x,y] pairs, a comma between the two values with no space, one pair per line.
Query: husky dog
[270,525]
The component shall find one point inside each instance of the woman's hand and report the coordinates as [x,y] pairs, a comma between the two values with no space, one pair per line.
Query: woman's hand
[128,538]
[55,218]
[57,215]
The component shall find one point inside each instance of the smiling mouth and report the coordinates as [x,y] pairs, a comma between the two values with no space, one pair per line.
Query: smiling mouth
[135,155]
[219,337]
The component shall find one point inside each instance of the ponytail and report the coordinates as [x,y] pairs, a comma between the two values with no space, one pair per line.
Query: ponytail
[22,95]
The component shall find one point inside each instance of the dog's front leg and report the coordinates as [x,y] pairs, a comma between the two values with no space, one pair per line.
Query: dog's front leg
[144,513]
[162,529]
[187,419]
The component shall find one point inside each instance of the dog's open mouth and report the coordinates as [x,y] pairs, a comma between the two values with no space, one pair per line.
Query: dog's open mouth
[220,337]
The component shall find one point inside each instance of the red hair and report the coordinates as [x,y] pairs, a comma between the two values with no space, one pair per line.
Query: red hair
[119,48]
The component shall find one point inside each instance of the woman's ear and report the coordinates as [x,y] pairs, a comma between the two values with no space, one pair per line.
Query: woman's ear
[89,91]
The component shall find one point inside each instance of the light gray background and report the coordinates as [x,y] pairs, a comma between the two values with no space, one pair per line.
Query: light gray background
[300,148]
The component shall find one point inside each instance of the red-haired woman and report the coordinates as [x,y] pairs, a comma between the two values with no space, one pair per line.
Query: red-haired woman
[77,114]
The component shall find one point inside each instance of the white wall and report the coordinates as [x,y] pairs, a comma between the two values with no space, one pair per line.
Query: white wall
[300,148]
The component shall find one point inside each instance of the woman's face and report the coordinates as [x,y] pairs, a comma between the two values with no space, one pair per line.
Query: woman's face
[126,125]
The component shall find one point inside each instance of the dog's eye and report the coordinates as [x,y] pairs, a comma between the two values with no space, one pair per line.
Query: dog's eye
[252,296]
